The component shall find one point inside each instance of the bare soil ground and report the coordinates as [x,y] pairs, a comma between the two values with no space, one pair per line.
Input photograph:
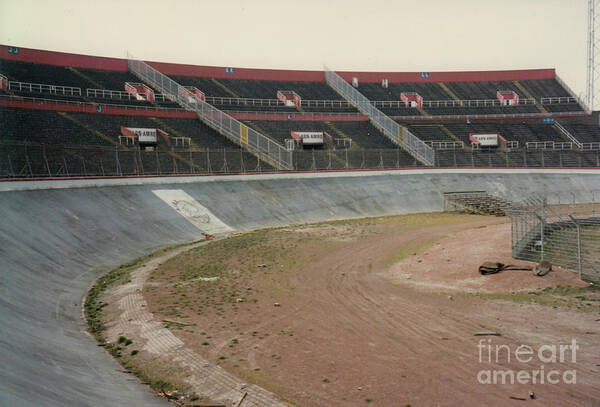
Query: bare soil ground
[378,312]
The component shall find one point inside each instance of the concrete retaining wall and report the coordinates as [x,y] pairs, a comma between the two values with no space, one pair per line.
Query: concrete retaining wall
[57,237]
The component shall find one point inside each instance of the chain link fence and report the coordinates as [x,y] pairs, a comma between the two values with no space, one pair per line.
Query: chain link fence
[22,160]
[563,229]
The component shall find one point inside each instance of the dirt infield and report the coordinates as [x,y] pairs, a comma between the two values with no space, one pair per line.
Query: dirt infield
[377,312]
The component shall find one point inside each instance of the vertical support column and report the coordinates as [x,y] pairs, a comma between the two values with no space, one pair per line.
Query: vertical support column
[579,251]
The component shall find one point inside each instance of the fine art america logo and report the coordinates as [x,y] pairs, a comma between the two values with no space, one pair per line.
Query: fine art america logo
[525,354]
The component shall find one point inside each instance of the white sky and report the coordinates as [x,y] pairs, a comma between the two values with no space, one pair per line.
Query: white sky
[367,35]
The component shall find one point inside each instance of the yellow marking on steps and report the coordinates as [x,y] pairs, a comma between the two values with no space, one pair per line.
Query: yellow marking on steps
[87,78]
[333,127]
[423,112]
[225,88]
[91,129]
[446,89]
[529,96]
[452,136]
[171,130]
[259,129]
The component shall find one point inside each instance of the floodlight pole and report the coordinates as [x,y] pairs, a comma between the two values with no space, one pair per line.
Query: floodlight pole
[592,49]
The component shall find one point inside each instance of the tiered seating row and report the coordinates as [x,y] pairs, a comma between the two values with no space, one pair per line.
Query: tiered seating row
[97,129]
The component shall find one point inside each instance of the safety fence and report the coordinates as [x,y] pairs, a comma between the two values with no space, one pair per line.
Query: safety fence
[563,229]
[23,160]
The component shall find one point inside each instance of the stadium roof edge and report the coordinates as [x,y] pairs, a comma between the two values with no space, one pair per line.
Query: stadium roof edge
[120,64]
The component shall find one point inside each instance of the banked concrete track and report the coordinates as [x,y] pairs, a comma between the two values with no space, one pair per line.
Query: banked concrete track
[57,237]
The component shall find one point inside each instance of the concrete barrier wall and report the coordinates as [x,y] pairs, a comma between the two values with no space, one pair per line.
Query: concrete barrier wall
[57,237]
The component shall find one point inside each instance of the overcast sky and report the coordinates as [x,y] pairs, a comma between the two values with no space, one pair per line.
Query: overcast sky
[368,35]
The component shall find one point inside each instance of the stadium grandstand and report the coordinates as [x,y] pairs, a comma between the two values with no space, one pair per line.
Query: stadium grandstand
[73,115]
[191,232]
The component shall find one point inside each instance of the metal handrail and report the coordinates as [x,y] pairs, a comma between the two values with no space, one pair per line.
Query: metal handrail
[267,149]
[398,118]
[399,135]
[58,89]
[84,103]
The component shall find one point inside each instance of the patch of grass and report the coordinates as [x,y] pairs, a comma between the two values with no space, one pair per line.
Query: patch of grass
[93,307]
[556,297]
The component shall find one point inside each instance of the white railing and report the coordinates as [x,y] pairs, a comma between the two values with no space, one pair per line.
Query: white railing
[218,100]
[84,103]
[558,100]
[325,103]
[588,109]
[120,95]
[265,148]
[488,115]
[548,145]
[43,88]
[445,145]
[590,146]
[397,134]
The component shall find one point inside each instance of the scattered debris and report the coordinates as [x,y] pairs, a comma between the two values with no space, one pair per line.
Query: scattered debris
[487,333]
[277,304]
[166,321]
[543,268]
[517,398]
[239,300]
[494,267]
[359,388]
[262,265]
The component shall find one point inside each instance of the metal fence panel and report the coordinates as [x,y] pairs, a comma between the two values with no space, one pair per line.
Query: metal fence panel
[563,229]
[26,160]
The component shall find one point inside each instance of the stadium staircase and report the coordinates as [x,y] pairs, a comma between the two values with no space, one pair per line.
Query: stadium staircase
[453,136]
[259,129]
[400,136]
[173,131]
[249,139]
[85,77]
[530,96]
[225,88]
[447,90]
[89,128]
[341,134]
[476,202]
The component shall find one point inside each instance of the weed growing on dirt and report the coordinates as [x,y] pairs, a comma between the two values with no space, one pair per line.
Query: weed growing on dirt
[586,299]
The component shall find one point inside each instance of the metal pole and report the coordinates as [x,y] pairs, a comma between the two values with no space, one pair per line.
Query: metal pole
[541,219]
[579,251]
